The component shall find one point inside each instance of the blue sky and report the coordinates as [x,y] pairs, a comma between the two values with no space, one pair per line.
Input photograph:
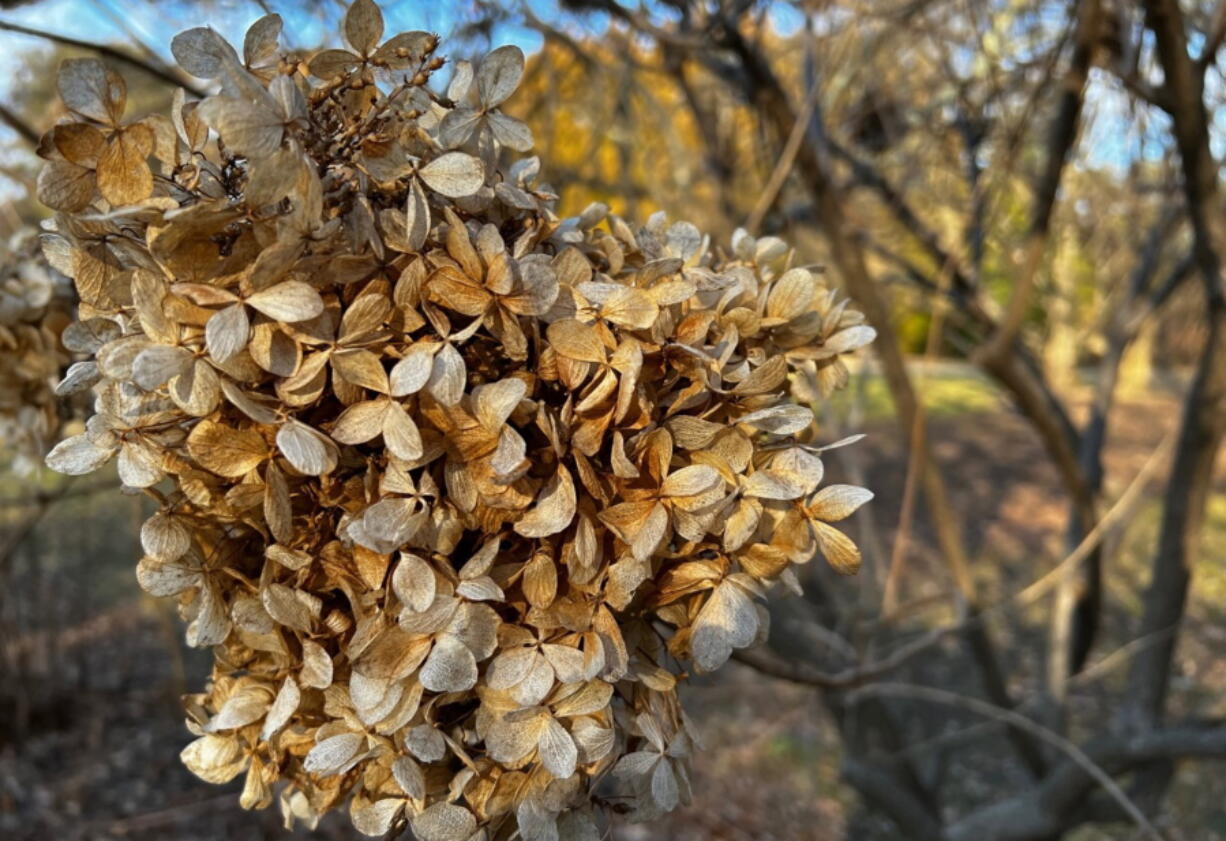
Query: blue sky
[155,22]
[1112,140]
[307,24]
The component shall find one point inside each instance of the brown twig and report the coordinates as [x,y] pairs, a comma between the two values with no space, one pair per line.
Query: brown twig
[24,130]
[787,158]
[1063,134]
[106,51]
[862,674]
[1015,719]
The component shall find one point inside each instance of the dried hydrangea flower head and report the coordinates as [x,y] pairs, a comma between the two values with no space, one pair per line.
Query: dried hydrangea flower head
[36,304]
[455,489]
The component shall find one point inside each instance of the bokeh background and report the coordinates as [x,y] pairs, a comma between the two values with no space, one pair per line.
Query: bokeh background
[997,184]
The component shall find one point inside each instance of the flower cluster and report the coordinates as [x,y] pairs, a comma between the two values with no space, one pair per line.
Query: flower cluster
[456,490]
[35,305]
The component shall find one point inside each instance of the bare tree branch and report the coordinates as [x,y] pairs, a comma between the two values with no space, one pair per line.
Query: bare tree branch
[1204,415]
[1055,806]
[106,51]
[1080,761]
[796,671]
[1215,37]
[1063,133]
[903,808]
[24,130]
[764,90]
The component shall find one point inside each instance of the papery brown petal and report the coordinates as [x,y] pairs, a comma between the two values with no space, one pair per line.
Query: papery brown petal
[726,622]
[362,368]
[400,433]
[458,292]
[224,450]
[290,301]
[277,507]
[689,481]
[328,64]
[576,340]
[79,143]
[260,42]
[307,450]
[363,26]
[361,422]
[840,552]
[555,508]
[453,174]
[837,502]
[227,332]
[124,176]
[499,74]
[251,129]
[201,52]
[66,186]
[540,581]
[88,87]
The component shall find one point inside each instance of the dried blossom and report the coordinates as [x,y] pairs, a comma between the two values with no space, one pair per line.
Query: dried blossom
[456,489]
[35,306]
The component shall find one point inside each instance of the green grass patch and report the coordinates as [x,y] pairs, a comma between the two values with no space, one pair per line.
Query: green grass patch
[944,390]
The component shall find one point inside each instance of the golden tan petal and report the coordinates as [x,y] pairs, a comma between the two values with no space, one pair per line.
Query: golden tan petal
[361,368]
[450,288]
[577,341]
[631,307]
[400,433]
[79,143]
[289,301]
[66,186]
[224,450]
[460,247]
[227,332]
[494,402]
[124,176]
[555,508]
[278,510]
[837,502]
[791,295]
[214,758]
[640,524]
[690,481]
[540,581]
[306,449]
[838,549]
